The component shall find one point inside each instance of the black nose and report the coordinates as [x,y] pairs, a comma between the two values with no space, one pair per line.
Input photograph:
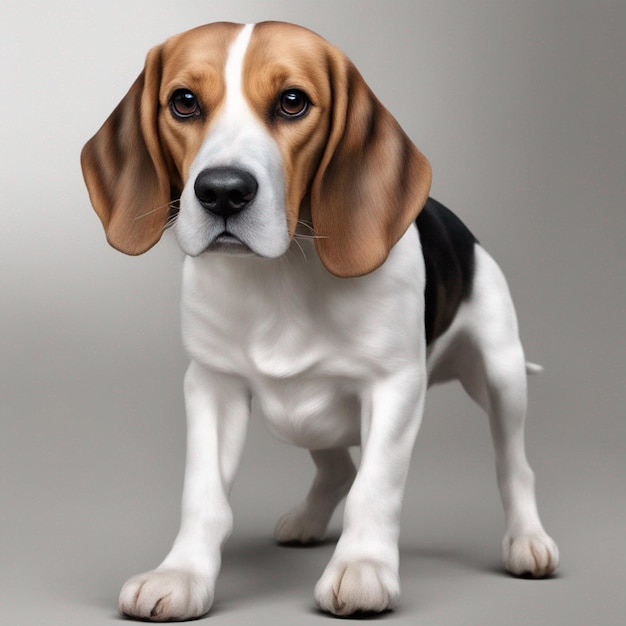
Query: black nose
[225,191]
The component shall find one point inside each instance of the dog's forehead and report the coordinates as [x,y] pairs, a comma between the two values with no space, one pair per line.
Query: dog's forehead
[200,47]
[280,52]
[281,40]
[280,48]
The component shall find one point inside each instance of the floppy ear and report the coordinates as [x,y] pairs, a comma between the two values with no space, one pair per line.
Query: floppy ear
[372,181]
[125,170]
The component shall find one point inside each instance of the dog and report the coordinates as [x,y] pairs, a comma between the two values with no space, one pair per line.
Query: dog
[323,289]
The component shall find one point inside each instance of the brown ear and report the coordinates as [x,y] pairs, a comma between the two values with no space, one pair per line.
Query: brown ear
[124,167]
[372,181]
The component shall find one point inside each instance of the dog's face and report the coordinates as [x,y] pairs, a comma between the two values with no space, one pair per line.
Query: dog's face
[252,127]
[245,131]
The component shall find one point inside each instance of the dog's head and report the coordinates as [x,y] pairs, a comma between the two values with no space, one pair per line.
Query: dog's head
[251,128]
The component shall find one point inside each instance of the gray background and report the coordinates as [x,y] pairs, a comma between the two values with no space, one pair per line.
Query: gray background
[520,108]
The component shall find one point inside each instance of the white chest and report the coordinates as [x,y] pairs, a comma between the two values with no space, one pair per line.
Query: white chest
[305,342]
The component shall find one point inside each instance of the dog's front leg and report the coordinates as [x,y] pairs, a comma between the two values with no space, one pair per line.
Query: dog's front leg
[182,587]
[362,575]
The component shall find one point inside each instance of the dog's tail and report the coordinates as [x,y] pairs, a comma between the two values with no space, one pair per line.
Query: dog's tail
[533,368]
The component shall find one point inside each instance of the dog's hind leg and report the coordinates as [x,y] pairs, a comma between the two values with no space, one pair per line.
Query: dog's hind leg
[527,549]
[494,373]
[307,523]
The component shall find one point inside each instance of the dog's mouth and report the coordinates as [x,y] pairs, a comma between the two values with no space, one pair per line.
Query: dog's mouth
[228,243]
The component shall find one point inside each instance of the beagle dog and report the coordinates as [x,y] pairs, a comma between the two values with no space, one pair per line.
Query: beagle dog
[323,290]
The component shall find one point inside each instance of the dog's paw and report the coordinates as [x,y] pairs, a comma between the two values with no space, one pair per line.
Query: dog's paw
[530,555]
[165,595]
[302,526]
[363,586]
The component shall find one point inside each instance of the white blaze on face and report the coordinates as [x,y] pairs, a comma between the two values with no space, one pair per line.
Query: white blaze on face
[238,138]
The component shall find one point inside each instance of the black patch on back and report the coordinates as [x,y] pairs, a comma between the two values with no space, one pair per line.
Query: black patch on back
[448,248]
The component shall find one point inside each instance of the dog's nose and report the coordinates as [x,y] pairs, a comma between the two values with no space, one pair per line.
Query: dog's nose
[225,191]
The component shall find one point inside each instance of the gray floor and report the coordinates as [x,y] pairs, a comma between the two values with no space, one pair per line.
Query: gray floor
[520,108]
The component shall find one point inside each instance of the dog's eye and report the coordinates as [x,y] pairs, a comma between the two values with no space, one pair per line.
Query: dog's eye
[184,104]
[293,103]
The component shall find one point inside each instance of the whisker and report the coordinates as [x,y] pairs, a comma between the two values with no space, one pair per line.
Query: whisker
[170,222]
[307,225]
[173,204]
[314,234]
[301,248]
[309,237]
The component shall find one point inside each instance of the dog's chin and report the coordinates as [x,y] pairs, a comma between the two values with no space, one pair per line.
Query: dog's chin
[227,243]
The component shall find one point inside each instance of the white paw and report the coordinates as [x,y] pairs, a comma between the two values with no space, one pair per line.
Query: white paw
[363,586]
[301,526]
[530,555]
[165,595]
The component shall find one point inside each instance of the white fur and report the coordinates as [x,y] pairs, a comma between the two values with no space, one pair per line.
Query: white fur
[327,363]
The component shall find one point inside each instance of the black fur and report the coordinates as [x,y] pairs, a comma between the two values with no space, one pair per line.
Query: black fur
[448,248]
